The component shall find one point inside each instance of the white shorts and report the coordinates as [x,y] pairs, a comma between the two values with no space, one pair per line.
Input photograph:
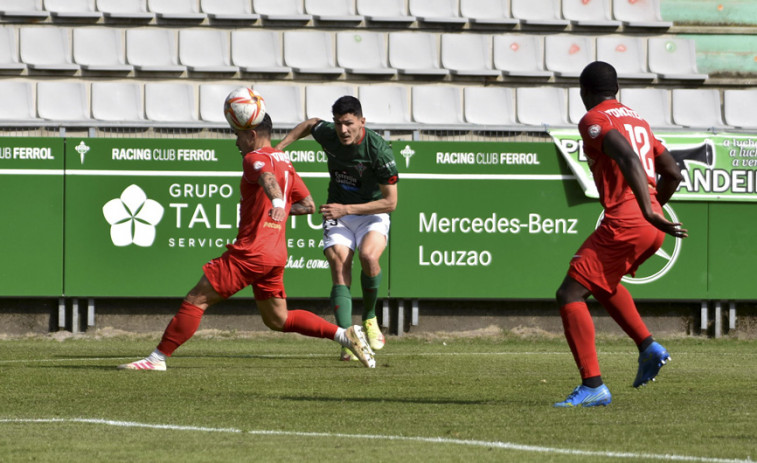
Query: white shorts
[351,229]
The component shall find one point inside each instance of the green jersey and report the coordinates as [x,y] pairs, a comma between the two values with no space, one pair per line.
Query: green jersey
[356,170]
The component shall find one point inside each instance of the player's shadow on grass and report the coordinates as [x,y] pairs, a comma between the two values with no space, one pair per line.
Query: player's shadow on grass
[417,400]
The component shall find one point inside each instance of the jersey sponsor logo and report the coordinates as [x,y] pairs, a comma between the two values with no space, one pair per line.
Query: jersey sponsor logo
[258,165]
[272,225]
[360,168]
[594,131]
[132,218]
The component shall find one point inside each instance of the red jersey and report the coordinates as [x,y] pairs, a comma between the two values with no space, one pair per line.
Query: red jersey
[614,193]
[260,238]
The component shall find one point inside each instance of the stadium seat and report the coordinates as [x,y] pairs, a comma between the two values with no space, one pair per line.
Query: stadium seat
[415,53]
[337,11]
[18,101]
[320,98]
[653,104]
[24,10]
[739,107]
[205,50]
[365,53]
[228,10]
[385,104]
[281,10]
[567,54]
[100,49]
[674,59]
[46,48]
[628,54]
[576,108]
[125,9]
[153,50]
[212,97]
[520,55]
[73,9]
[62,101]
[117,102]
[437,105]
[170,102]
[181,10]
[384,11]
[538,13]
[310,52]
[487,12]
[468,55]
[643,14]
[587,13]
[541,106]
[494,106]
[440,12]
[265,57]
[9,50]
[697,108]
[284,103]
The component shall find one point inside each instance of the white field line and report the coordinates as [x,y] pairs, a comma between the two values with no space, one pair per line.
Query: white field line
[431,440]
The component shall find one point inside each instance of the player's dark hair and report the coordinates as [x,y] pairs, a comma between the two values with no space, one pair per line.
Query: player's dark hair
[347,105]
[265,127]
[600,78]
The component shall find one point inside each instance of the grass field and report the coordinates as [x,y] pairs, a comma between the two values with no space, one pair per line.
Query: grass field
[286,398]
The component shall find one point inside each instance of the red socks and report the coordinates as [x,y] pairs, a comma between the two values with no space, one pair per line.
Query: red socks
[181,328]
[579,330]
[623,310]
[309,324]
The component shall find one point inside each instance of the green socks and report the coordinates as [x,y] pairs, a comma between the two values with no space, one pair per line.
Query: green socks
[341,303]
[370,287]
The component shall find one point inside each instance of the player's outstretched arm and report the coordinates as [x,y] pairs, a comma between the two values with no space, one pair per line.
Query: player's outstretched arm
[272,189]
[670,176]
[617,147]
[301,130]
[303,207]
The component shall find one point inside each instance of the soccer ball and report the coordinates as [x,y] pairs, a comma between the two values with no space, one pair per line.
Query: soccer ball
[244,108]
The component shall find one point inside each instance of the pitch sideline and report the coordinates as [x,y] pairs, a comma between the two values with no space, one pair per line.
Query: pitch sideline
[432,440]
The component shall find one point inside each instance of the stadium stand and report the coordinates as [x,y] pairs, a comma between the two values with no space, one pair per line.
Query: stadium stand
[739,108]
[153,50]
[387,105]
[100,49]
[520,55]
[585,13]
[576,108]
[363,53]
[439,106]
[487,12]
[674,59]
[310,52]
[385,11]
[468,55]
[539,13]
[337,11]
[319,98]
[490,106]
[652,103]
[73,9]
[541,106]
[627,54]
[206,50]
[118,102]
[567,54]
[181,10]
[170,102]
[441,12]
[285,103]
[415,53]
[636,14]
[18,101]
[46,48]
[281,10]
[25,10]
[697,108]
[125,10]
[267,57]
[63,101]
[212,97]
[229,10]
[9,50]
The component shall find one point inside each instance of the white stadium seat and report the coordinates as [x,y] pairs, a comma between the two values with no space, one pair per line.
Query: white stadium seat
[46,48]
[18,101]
[583,13]
[153,50]
[320,98]
[697,108]
[653,104]
[100,49]
[9,50]
[520,55]
[125,9]
[738,106]
[628,54]
[567,54]
[73,9]
[487,12]
[441,12]
[385,104]
[212,97]
[266,56]
[437,105]
[468,54]
[25,10]
[339,11]
[117,102]
[541,106]
[635,13]
[62,101]
[360,52]
[281,10]
[415,53]
[205,50]
[489,106]
[310,52]
[284,103]
[170,102]
[674,59]
[538,13]
[182,10]
[228,10]
[385,11]
[576,108]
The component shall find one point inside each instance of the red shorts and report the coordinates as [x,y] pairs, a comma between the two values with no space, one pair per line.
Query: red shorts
[229,274]
[614,249]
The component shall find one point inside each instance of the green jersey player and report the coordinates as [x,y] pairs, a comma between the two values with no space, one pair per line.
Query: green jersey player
[362,193]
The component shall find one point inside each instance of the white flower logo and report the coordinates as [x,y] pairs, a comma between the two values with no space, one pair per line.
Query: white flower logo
[133,218]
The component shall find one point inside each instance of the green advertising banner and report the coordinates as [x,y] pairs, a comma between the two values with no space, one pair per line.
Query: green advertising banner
[715,167]
[144,215]
[484,220]
[31,188]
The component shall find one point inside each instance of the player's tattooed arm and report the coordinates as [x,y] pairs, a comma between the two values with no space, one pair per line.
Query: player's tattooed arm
[271,187]
[303,206]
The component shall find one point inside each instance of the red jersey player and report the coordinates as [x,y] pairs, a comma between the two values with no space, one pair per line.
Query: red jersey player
[271,190]
[625,159]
